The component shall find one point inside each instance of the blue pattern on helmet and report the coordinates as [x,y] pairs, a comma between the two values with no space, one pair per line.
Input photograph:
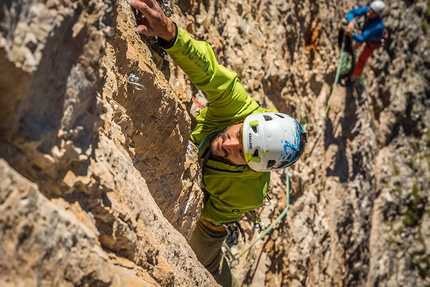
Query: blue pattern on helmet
[290,150]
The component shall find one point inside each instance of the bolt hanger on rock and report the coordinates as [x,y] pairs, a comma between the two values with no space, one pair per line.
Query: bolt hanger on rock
[134,81]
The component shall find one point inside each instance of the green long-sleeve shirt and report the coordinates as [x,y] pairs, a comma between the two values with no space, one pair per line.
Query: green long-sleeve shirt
[233,190]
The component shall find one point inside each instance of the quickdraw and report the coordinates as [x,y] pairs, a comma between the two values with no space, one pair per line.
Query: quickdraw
[254,218]
[233,231]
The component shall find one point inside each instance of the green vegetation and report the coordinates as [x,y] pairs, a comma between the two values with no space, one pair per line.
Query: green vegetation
[398,230]
[390,226]
[420,260]
[415,189]
[424,26]
[408,83]
[417,260]
[396,169]
[411,217]
[399,209]
[414,145]
[428,137]
[425,272]
[398,188]
[411,162]
[412,209]
[390,240]
[421,239]
[427,12]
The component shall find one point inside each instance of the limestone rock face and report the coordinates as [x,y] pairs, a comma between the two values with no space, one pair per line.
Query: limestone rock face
[77,143]
[100,183]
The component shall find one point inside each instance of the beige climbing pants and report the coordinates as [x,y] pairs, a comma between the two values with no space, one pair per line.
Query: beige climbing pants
[206,241]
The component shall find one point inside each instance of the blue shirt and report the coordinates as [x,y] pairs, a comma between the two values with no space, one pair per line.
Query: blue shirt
[373,28]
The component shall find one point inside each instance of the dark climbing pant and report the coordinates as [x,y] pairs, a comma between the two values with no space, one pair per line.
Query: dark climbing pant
[206,241]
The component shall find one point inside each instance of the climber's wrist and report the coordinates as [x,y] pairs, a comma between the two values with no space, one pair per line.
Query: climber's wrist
[168,39]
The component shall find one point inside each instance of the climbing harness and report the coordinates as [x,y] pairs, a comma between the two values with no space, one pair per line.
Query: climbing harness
[234,228]
[233,231]
[385,36]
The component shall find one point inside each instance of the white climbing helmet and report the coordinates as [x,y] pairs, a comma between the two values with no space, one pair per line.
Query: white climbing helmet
[272,141]
[377,6]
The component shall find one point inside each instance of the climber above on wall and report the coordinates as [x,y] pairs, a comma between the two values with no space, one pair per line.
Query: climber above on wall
[239,142]
[371,33]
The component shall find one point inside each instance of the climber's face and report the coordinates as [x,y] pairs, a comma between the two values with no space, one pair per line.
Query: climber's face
[371,14]
[227,146]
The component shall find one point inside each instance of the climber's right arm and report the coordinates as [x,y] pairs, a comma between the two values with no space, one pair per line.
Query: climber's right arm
[350,18]
[228,100]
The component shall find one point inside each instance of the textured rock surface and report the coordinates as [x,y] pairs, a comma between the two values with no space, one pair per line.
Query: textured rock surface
[99,182]
[78,197]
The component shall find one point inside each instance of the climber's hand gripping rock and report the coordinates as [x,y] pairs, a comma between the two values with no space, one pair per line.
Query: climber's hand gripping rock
[155,22]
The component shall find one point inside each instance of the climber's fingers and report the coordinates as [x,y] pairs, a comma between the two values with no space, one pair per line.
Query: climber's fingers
[155,22]
[148,11]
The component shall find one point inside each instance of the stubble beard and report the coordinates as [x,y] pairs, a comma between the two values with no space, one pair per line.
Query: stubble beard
[215,156]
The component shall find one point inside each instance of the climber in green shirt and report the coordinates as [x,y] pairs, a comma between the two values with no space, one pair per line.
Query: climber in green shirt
[239,142]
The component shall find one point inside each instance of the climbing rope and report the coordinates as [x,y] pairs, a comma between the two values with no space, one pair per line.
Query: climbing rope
[287,188]
[336,79]
[282,215]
